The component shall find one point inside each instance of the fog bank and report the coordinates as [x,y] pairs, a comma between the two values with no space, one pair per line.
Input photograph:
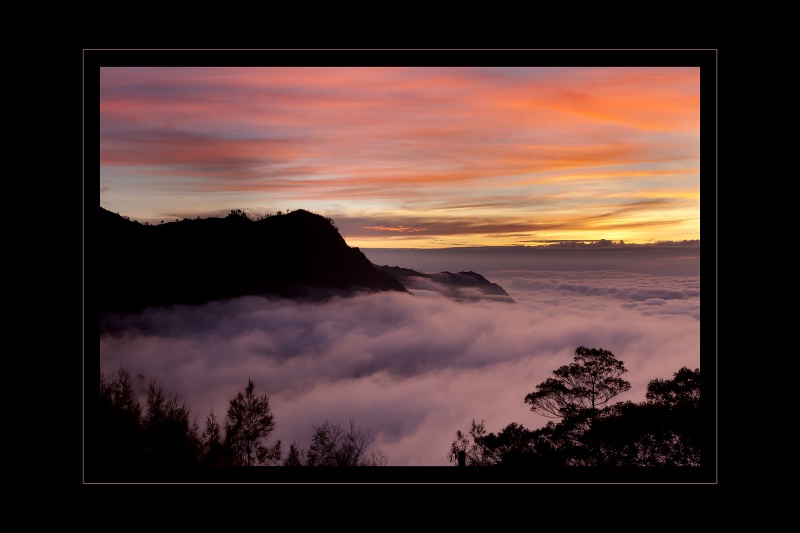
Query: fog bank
[413,369]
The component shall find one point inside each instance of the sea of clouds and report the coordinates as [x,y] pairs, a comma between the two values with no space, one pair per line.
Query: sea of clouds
[410,368]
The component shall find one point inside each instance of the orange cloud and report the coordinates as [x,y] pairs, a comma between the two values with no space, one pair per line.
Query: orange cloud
[515,150]
[401,229]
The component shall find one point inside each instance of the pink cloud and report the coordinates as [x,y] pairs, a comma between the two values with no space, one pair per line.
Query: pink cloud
[412,369]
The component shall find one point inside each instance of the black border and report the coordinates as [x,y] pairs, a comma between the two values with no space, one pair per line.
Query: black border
[705,59]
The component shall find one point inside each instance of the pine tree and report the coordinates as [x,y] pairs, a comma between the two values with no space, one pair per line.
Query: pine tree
[249,422]
[211,439]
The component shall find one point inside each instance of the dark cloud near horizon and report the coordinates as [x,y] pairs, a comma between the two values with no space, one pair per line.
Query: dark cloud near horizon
[680,259]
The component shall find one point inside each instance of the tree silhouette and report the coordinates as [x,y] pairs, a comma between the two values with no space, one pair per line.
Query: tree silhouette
[576,394]
[664,430]
[248,423]
[678,400]
[628,434]
[211,453]
[513,445]
[470,445]
[118,436]
[238,213]
[294,457]
[582,386]
[172,441]
[682,389]
[332,445]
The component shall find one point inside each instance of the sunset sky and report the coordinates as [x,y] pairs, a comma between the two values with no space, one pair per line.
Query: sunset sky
[411,157]
[420,167]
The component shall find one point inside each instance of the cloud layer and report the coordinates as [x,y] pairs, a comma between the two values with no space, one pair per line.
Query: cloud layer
[412,369]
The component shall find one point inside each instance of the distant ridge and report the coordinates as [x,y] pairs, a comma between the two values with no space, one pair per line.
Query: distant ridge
[295,255]
[461,286]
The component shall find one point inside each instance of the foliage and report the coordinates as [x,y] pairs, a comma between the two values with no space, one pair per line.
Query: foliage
[512,445]
[628,434]
[118,438]
[172,441]
[515,445]
[682,389]
[664,430]
[678,401]
[212,448]
[588,383]
[162,435]
[119,394]
[249,422]
[332,445]
[294,457]
[471,445]
[238,213]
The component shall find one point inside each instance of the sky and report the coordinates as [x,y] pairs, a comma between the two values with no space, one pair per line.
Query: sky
[411,157]
[412,369]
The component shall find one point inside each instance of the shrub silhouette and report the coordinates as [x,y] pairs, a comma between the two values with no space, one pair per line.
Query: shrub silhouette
[332,445]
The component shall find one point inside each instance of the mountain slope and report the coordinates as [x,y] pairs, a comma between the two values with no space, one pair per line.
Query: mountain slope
[461,286]
[298,254]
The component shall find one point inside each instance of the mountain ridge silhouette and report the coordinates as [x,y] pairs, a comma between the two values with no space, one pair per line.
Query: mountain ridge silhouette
[294,255]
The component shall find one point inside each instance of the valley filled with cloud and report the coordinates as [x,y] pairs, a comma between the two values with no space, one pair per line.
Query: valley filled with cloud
[411,368]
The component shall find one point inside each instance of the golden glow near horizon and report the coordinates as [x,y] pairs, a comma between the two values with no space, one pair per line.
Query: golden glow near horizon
[411,157]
